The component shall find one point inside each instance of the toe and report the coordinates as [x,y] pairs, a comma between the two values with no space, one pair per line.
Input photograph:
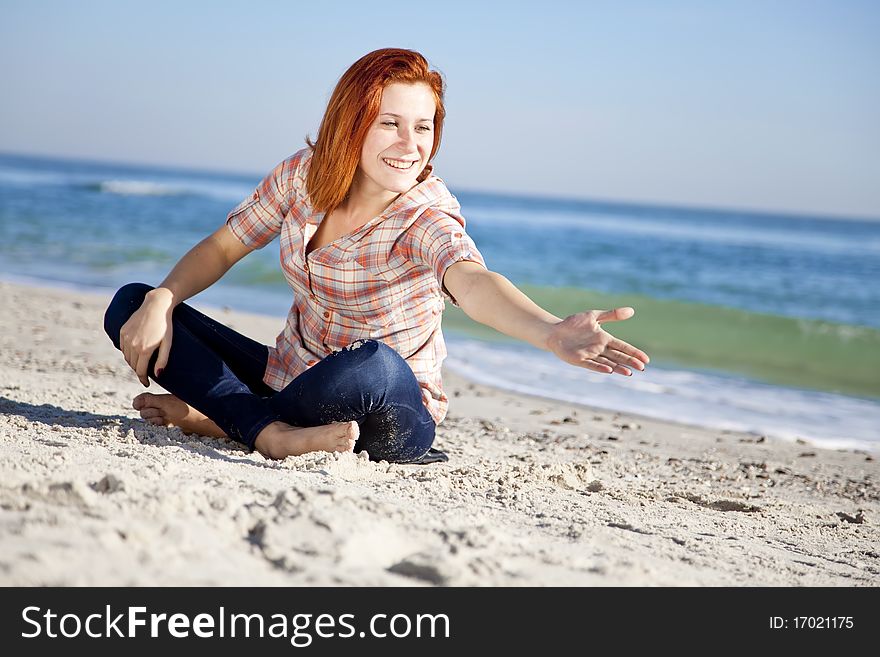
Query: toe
[140,401]
[150,412]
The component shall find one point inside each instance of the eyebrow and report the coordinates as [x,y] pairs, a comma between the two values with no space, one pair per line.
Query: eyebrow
[397,116]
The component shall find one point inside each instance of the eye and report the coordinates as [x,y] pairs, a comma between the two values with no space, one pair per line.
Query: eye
[425,128]
[389,123]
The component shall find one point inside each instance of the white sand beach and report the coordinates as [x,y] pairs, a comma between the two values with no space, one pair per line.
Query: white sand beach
[535,492]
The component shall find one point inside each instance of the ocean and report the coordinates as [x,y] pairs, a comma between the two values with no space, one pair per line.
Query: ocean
[755,322]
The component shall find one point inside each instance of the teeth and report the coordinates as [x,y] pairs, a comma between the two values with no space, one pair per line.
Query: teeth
[398,164]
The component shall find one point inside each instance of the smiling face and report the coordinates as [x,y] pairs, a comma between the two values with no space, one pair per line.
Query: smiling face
[400,140]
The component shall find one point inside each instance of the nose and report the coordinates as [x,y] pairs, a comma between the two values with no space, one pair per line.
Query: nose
[407,136]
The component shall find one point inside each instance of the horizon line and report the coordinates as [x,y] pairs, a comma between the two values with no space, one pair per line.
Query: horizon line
[536,196]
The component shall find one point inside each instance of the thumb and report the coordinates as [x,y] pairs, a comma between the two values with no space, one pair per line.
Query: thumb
[616,315]
[164,350]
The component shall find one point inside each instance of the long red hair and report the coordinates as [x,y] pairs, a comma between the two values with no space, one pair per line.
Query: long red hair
[351,111]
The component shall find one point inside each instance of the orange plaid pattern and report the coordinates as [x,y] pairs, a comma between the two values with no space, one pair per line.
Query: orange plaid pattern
[381,282]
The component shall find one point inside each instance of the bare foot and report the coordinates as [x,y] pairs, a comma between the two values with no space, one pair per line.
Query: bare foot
[279,440]
[169,411]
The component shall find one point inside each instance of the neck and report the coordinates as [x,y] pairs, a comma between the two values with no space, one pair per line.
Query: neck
[363,204]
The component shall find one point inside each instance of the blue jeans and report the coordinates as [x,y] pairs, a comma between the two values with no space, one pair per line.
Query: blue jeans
[219,372]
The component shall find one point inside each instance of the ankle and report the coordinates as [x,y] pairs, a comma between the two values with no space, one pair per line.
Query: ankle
[267,440]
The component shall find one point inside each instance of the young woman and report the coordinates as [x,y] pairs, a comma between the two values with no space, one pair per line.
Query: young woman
[372,243]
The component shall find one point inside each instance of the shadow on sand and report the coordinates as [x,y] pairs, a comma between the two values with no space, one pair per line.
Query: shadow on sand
[146,434]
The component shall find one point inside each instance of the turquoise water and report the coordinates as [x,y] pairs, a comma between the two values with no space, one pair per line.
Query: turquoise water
[764,299]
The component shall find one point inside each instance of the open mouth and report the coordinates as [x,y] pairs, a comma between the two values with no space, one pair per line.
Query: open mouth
[399,165]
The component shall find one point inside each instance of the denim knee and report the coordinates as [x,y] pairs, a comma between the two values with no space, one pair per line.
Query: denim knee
[391,362]
[375,361]
[125,302]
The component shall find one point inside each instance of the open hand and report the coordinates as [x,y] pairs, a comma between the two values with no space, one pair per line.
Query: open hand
[580,340]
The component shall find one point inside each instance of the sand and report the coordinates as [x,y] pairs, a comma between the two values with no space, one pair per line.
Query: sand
[535,492]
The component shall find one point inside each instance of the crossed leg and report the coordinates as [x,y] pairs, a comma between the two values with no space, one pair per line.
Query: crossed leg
[277,440]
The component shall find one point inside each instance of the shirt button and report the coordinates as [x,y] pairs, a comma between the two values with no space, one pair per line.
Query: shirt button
[311,362]
[313,297]
[306,266]
[458,234]
[326,313]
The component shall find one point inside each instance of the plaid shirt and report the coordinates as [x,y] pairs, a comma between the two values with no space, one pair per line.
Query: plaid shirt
[381,282]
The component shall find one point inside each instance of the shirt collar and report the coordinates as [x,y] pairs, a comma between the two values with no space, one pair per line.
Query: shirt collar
[429,189]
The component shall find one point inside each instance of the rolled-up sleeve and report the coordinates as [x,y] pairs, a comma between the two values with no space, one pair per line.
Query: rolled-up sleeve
[257,220]
[438,240]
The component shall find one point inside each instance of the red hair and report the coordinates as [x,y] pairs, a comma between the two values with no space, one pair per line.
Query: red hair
[351,111]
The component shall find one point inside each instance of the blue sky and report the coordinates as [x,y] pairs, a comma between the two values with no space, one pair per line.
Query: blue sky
[761,105]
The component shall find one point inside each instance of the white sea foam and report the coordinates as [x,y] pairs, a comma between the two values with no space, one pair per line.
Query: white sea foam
[182,187]
[139,188]
[127,183]
[700,398]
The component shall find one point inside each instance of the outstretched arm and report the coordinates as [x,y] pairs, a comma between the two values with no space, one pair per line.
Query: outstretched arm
[489,298]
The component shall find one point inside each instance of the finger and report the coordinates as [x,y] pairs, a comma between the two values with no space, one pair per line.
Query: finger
[149,412]
[591,364]
[131,357]
[143,361]
[615,367]
[628,349]
[623,359]
[164,350]
[616,315]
